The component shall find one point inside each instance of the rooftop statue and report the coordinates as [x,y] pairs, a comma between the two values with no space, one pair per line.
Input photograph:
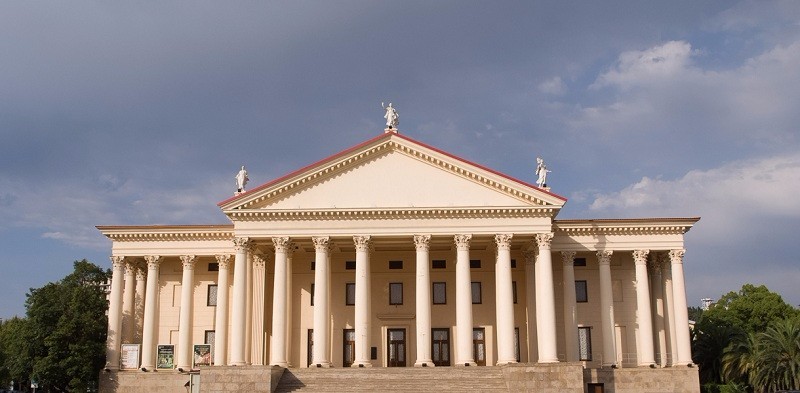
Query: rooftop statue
[241,179]
[541,171]
[392,119]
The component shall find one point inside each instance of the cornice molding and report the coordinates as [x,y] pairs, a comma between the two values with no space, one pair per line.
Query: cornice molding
[638,226]
[166,233]
[390,213]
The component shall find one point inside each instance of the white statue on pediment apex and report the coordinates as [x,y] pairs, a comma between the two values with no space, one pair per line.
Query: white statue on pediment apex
[541,172]
[391,116]
[241,179]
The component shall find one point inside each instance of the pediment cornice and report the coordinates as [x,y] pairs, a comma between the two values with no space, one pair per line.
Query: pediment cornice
[390,214]
[279,188]
[636,226]
[142,233]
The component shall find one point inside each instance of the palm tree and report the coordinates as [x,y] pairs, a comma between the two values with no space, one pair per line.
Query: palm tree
[708,346]
[778,364]
[739,358]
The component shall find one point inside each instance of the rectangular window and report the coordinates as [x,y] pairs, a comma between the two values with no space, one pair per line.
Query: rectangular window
[579,262]
[312,293]
[213,266]
[395,264]
[210,336]
[476,292]
[439,293]
[395,293]
[439,264]
[211,297]
[514,290]
[350,265]
[440,346]
[350,294]
[474,263]
[581,291]
[348,347]
[585,342]
[516,344]
[313,265]
[513,263]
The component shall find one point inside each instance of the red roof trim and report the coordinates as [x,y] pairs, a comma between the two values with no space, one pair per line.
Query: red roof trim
[373,140]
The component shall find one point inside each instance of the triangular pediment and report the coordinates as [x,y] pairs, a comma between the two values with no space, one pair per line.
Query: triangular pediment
[393,171]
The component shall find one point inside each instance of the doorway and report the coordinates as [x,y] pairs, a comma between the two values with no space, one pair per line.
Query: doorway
[348,347]
[440,347]
[479,346]
[396,347]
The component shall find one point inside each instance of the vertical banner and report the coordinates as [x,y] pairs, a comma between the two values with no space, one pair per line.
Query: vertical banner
[202,355]
[166,356]
[130,357]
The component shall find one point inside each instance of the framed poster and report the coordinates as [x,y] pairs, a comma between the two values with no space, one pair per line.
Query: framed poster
[129,359]
[202,355]
[166,356]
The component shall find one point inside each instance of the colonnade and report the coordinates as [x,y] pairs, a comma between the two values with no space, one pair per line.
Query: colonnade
[670,333]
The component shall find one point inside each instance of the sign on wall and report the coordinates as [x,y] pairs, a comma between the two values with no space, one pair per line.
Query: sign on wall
[166,356]
[129,359]
[202,355]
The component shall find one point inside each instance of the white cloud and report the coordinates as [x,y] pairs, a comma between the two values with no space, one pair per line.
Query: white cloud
[554,86]
[658,63]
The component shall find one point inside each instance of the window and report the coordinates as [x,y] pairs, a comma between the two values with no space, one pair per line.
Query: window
[474,263]
[213,267]
[514,291]
[350,294]
[395,264]
[579,262]
[210,336]
[350,265]
[479,346]
[439,264]
[440,343]
[516,344]
[313,265]
[312,293]
[395,293]
[581,292]
[585,342]
[348,347]
[476,292]
[439,293]
[513,263]
[211,297]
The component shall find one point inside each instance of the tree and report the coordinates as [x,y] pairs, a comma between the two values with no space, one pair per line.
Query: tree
[708,346]
[61,342]
[752,308]
[778,359]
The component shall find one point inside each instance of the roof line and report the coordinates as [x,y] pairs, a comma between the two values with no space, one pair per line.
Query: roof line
[625,220]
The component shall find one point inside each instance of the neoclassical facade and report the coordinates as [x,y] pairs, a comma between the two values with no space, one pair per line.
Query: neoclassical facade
[395,253]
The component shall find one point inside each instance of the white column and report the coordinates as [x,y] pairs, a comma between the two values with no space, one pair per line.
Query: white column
[530,303]
[248,340]
[114,338]
[423,301]
[150,325]
[545,301]
[185,321]
[607,309]
[669,301]
[289,302]
[570,307]
[363,305]
[659,315]
[257,291]
[504,298]
[279,316]
[221,322]
[464,355]
[322,315]
[644,319]
[684,355]
[129,303]
[138,308]
[239,312]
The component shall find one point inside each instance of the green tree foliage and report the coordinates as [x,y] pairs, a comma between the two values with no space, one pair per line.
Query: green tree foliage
[61,342]
[752,308]
[708,346]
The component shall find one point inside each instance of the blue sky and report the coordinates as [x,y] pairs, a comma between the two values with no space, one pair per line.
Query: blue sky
[122,113]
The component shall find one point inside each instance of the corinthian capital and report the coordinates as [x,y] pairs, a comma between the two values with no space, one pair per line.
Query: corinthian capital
[640,256]
[362,242]
[259,262]
[223,260]
[153,261]
[676,256]
[117,262]
[462,242]
[503,241]
[543,240]
[422,242]
[241,244]
[188,261]
[568,257]
[604,257]
[282,243]
[321,243]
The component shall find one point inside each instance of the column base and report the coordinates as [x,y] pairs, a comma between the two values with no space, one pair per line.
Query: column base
[236,364]
[547,361]
[424,363]
[465,364]
[361,365]
[320,365]
[504,362]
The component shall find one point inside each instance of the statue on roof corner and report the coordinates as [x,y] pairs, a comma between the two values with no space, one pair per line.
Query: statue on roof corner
[541,172]
[241,180]
[392,119]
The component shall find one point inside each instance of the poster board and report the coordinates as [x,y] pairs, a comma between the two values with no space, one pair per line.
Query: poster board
[165,357]
[129,359]
[202,355]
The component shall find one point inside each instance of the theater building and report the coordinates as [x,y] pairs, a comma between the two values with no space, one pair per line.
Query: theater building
[394,253]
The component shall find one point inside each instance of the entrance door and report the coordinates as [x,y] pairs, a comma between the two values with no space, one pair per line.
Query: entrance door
[396,347]
[348,347]
[479,346]
[440,342]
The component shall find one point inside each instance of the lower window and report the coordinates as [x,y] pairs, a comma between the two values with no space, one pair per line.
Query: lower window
[585,342]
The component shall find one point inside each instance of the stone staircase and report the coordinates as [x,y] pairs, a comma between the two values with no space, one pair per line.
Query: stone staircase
[395,379]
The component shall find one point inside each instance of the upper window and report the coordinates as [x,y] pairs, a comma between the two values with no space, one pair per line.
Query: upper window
[213,266]
[312,293]
[395,264]
[474,263]
[395,293]
[581,292]
[350,294]
[439,264]
[579,262]
[513,263]
[476,292]
[211,298]
[514,290]
[439,293]
[350,265]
